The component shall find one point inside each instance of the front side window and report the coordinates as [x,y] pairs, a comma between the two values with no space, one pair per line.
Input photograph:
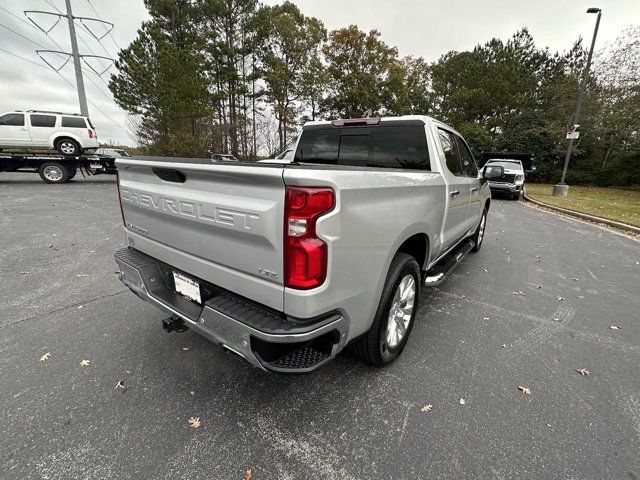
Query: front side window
[43,121]
[12,119]
[73,122]
[397,146]
[448,142]
[468,163]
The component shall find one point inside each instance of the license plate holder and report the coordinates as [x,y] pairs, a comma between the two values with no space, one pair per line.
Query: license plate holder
[187,287]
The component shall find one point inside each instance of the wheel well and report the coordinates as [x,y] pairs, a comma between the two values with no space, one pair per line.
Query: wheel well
[59,139]
[417,246]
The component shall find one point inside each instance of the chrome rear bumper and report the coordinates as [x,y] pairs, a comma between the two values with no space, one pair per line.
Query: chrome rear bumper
[265,339]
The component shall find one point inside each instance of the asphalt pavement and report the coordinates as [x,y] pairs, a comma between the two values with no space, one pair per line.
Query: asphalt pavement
[535,305]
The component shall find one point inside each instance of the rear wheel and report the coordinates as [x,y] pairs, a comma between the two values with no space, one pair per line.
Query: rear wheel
[479,235]
[54,172]
[391,326]
[66,146]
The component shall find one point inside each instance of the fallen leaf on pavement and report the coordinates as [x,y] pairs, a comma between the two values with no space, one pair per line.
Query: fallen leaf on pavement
[538,286]
[247,474]
[560,299]
[120,384]
[82,275]
[80,306]
[185,348]
[462,401]
[519,292]
[426,408]
[615,327]
[194,422]
[525,390]
[486,318]
[45,357]
[85,363]
[575,279]
[583,371]
[504,345]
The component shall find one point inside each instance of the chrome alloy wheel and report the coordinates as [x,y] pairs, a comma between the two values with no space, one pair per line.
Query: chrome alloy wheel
[483,222]
[67,148]
[52,173]
[401,311]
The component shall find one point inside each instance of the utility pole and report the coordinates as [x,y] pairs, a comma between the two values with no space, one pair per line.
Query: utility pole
[561,189]
[82,96]
[75,54]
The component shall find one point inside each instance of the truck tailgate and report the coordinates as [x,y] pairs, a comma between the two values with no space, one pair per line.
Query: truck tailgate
[222,223]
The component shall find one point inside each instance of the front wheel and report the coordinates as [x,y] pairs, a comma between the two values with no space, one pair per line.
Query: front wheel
[479,235]
[391,326]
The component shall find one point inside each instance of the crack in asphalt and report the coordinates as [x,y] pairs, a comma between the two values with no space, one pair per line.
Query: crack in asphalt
[34,317]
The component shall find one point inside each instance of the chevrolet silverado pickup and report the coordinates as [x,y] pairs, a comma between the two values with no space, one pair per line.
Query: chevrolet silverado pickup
[287,264]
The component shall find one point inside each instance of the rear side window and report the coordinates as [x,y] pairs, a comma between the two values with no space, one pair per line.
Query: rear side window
[448,142]
[468,163]
[43,121]
[12,119]
[73,122]
[383,146]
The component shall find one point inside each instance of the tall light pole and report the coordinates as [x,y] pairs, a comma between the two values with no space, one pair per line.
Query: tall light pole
[561,189]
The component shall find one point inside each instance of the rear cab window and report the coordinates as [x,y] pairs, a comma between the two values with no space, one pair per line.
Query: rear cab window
[43,120]
[73,122]
[397,145]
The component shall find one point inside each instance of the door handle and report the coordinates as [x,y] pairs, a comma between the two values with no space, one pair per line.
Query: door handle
[454,193]
[474,189]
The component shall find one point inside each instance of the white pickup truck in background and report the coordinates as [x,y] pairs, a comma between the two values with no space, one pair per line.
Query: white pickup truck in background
[286,264]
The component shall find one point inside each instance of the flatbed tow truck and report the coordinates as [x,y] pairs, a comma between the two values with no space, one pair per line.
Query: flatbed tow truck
[56,168]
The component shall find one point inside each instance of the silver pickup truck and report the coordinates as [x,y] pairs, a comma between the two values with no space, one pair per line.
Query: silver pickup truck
[286,264]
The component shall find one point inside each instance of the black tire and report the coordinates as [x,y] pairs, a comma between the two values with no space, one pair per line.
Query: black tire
[372,347]
[54,172]
[67,146]
[478,236]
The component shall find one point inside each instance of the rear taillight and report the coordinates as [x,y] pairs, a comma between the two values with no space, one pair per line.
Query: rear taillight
[120,197]
[305,255]
[90,132]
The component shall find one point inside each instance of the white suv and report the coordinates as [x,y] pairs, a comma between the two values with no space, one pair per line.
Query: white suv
[69,133]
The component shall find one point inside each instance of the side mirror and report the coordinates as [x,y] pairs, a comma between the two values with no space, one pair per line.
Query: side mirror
[492,171]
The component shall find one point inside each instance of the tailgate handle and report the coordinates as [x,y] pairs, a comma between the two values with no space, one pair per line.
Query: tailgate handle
[170,175]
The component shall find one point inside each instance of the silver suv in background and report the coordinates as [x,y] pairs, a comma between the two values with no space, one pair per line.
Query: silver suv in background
[68,133]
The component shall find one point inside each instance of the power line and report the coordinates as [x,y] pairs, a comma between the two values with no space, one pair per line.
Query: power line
[20,35]
[23,58]
[96,107]
[84,27]
[98,15]
[53,6]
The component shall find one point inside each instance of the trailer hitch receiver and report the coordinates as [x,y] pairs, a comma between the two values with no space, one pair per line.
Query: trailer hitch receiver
[174,324]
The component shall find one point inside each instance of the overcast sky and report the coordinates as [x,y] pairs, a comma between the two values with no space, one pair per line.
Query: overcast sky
[424,28]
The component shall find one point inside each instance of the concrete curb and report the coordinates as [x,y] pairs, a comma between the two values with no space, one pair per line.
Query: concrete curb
[584,216]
